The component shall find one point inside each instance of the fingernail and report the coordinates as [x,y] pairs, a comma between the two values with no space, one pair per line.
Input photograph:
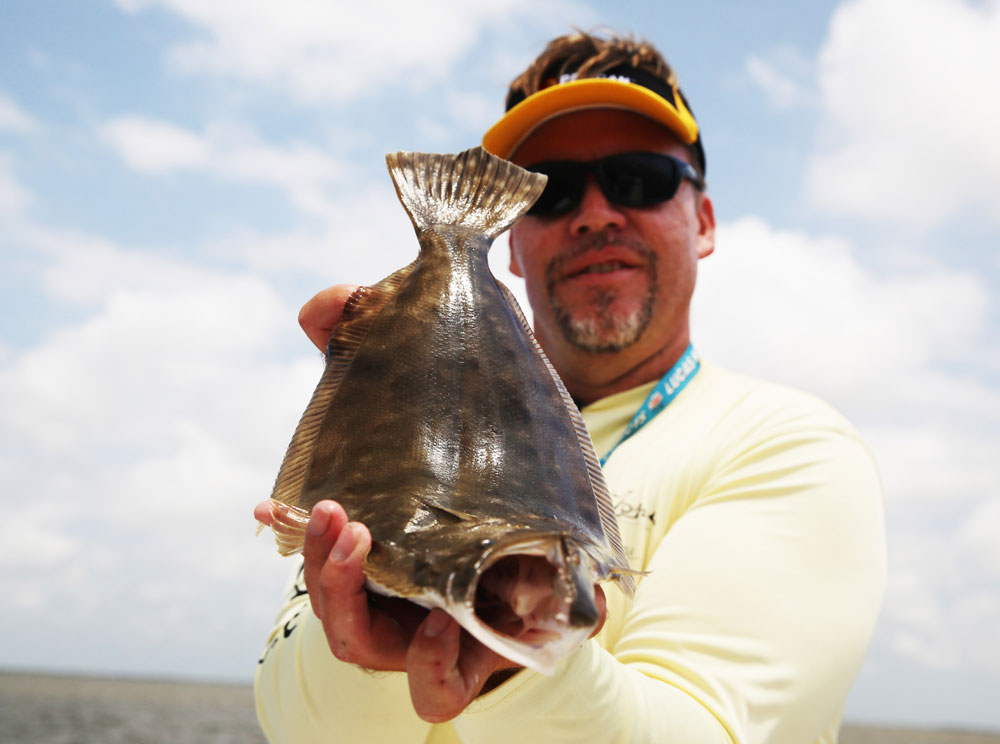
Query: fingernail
[435,624]
[319,521]
[345,543]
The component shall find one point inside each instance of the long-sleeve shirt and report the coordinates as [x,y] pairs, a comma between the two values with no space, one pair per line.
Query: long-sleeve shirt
[756,511]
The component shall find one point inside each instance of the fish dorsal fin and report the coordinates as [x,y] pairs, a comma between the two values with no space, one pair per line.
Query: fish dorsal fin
[473,189]
[605,507]
[360,311]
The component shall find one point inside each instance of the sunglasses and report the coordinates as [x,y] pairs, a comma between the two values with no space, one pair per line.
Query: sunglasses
[631,179]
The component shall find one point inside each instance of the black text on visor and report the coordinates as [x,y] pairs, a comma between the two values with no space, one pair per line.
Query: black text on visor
[631,179]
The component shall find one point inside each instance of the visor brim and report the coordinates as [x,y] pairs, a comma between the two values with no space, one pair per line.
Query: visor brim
[506,135]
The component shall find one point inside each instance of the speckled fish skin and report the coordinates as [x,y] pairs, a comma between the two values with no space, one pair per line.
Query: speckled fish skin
[441,426]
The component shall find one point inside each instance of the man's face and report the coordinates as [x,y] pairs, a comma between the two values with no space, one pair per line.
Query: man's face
[608,280]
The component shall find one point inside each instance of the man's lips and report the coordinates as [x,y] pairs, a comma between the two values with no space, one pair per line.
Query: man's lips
[605,267]
[599,265]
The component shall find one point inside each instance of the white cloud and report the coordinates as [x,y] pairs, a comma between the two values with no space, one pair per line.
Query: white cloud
[797,308]
[911,125]
[930,462]
[942,605]
[980,532]
[136,440]
[36,537]
[12,117]
[784,75]
[153,146]
[321,51]
[227,151]
[86,270]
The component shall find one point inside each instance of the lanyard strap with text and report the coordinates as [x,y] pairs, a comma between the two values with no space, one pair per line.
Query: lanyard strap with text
[661,395]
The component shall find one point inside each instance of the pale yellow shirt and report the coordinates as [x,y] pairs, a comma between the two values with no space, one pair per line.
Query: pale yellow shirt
[756,510]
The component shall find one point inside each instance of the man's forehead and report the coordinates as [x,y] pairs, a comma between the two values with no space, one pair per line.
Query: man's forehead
[596,133]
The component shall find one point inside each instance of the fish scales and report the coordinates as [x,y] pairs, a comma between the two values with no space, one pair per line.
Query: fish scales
[453,360]
[441,426]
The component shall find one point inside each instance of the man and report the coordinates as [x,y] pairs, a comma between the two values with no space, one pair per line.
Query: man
[755,509]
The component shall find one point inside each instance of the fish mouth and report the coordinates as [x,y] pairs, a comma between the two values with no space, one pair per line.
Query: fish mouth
[525,602]
[524,597]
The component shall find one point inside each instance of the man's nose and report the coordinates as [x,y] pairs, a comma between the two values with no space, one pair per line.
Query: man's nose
[595,212]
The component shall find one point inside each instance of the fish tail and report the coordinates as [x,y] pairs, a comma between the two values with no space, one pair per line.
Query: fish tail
[473,189]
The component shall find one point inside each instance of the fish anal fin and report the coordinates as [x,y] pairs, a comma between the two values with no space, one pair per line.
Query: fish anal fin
[605,507]
[360,310]
[298,456]
[472,189]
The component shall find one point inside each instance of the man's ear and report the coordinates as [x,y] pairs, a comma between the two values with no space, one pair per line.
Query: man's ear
[515,264]
[706,226]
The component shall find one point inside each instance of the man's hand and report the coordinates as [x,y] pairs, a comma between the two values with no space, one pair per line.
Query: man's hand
[357,631]
[446,667]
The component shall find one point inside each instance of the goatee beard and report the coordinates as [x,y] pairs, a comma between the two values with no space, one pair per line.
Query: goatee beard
[599,329]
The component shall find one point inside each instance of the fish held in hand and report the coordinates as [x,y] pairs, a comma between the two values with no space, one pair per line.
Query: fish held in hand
[440,424]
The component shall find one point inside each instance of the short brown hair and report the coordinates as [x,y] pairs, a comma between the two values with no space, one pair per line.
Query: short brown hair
[586,55]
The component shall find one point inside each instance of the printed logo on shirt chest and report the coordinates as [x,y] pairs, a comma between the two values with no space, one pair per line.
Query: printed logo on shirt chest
[629,507]
[635,522]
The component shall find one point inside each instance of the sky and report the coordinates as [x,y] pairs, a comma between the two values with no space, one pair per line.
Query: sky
[178,177]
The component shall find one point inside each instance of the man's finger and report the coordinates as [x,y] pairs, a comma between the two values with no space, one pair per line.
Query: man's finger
[437,688]
[357,632]
[320,314]
[262,513]
[343,607]
[325,525]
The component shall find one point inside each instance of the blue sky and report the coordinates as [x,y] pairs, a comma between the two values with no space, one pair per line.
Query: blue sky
[177,177]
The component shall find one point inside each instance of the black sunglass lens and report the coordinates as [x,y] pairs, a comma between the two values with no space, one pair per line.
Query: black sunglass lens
[626,188]
[562,191]
[640,180]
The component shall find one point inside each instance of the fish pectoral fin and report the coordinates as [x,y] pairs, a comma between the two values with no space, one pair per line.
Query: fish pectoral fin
[473,189]
[446,514]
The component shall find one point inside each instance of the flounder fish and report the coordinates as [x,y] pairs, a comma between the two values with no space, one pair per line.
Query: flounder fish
[440,424]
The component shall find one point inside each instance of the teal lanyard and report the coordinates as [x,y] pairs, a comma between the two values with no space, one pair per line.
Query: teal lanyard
[668,388]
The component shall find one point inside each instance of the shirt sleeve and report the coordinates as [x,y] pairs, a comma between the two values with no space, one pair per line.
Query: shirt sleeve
[751,625]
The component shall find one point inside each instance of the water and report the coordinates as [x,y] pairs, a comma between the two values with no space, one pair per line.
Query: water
[46,709]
